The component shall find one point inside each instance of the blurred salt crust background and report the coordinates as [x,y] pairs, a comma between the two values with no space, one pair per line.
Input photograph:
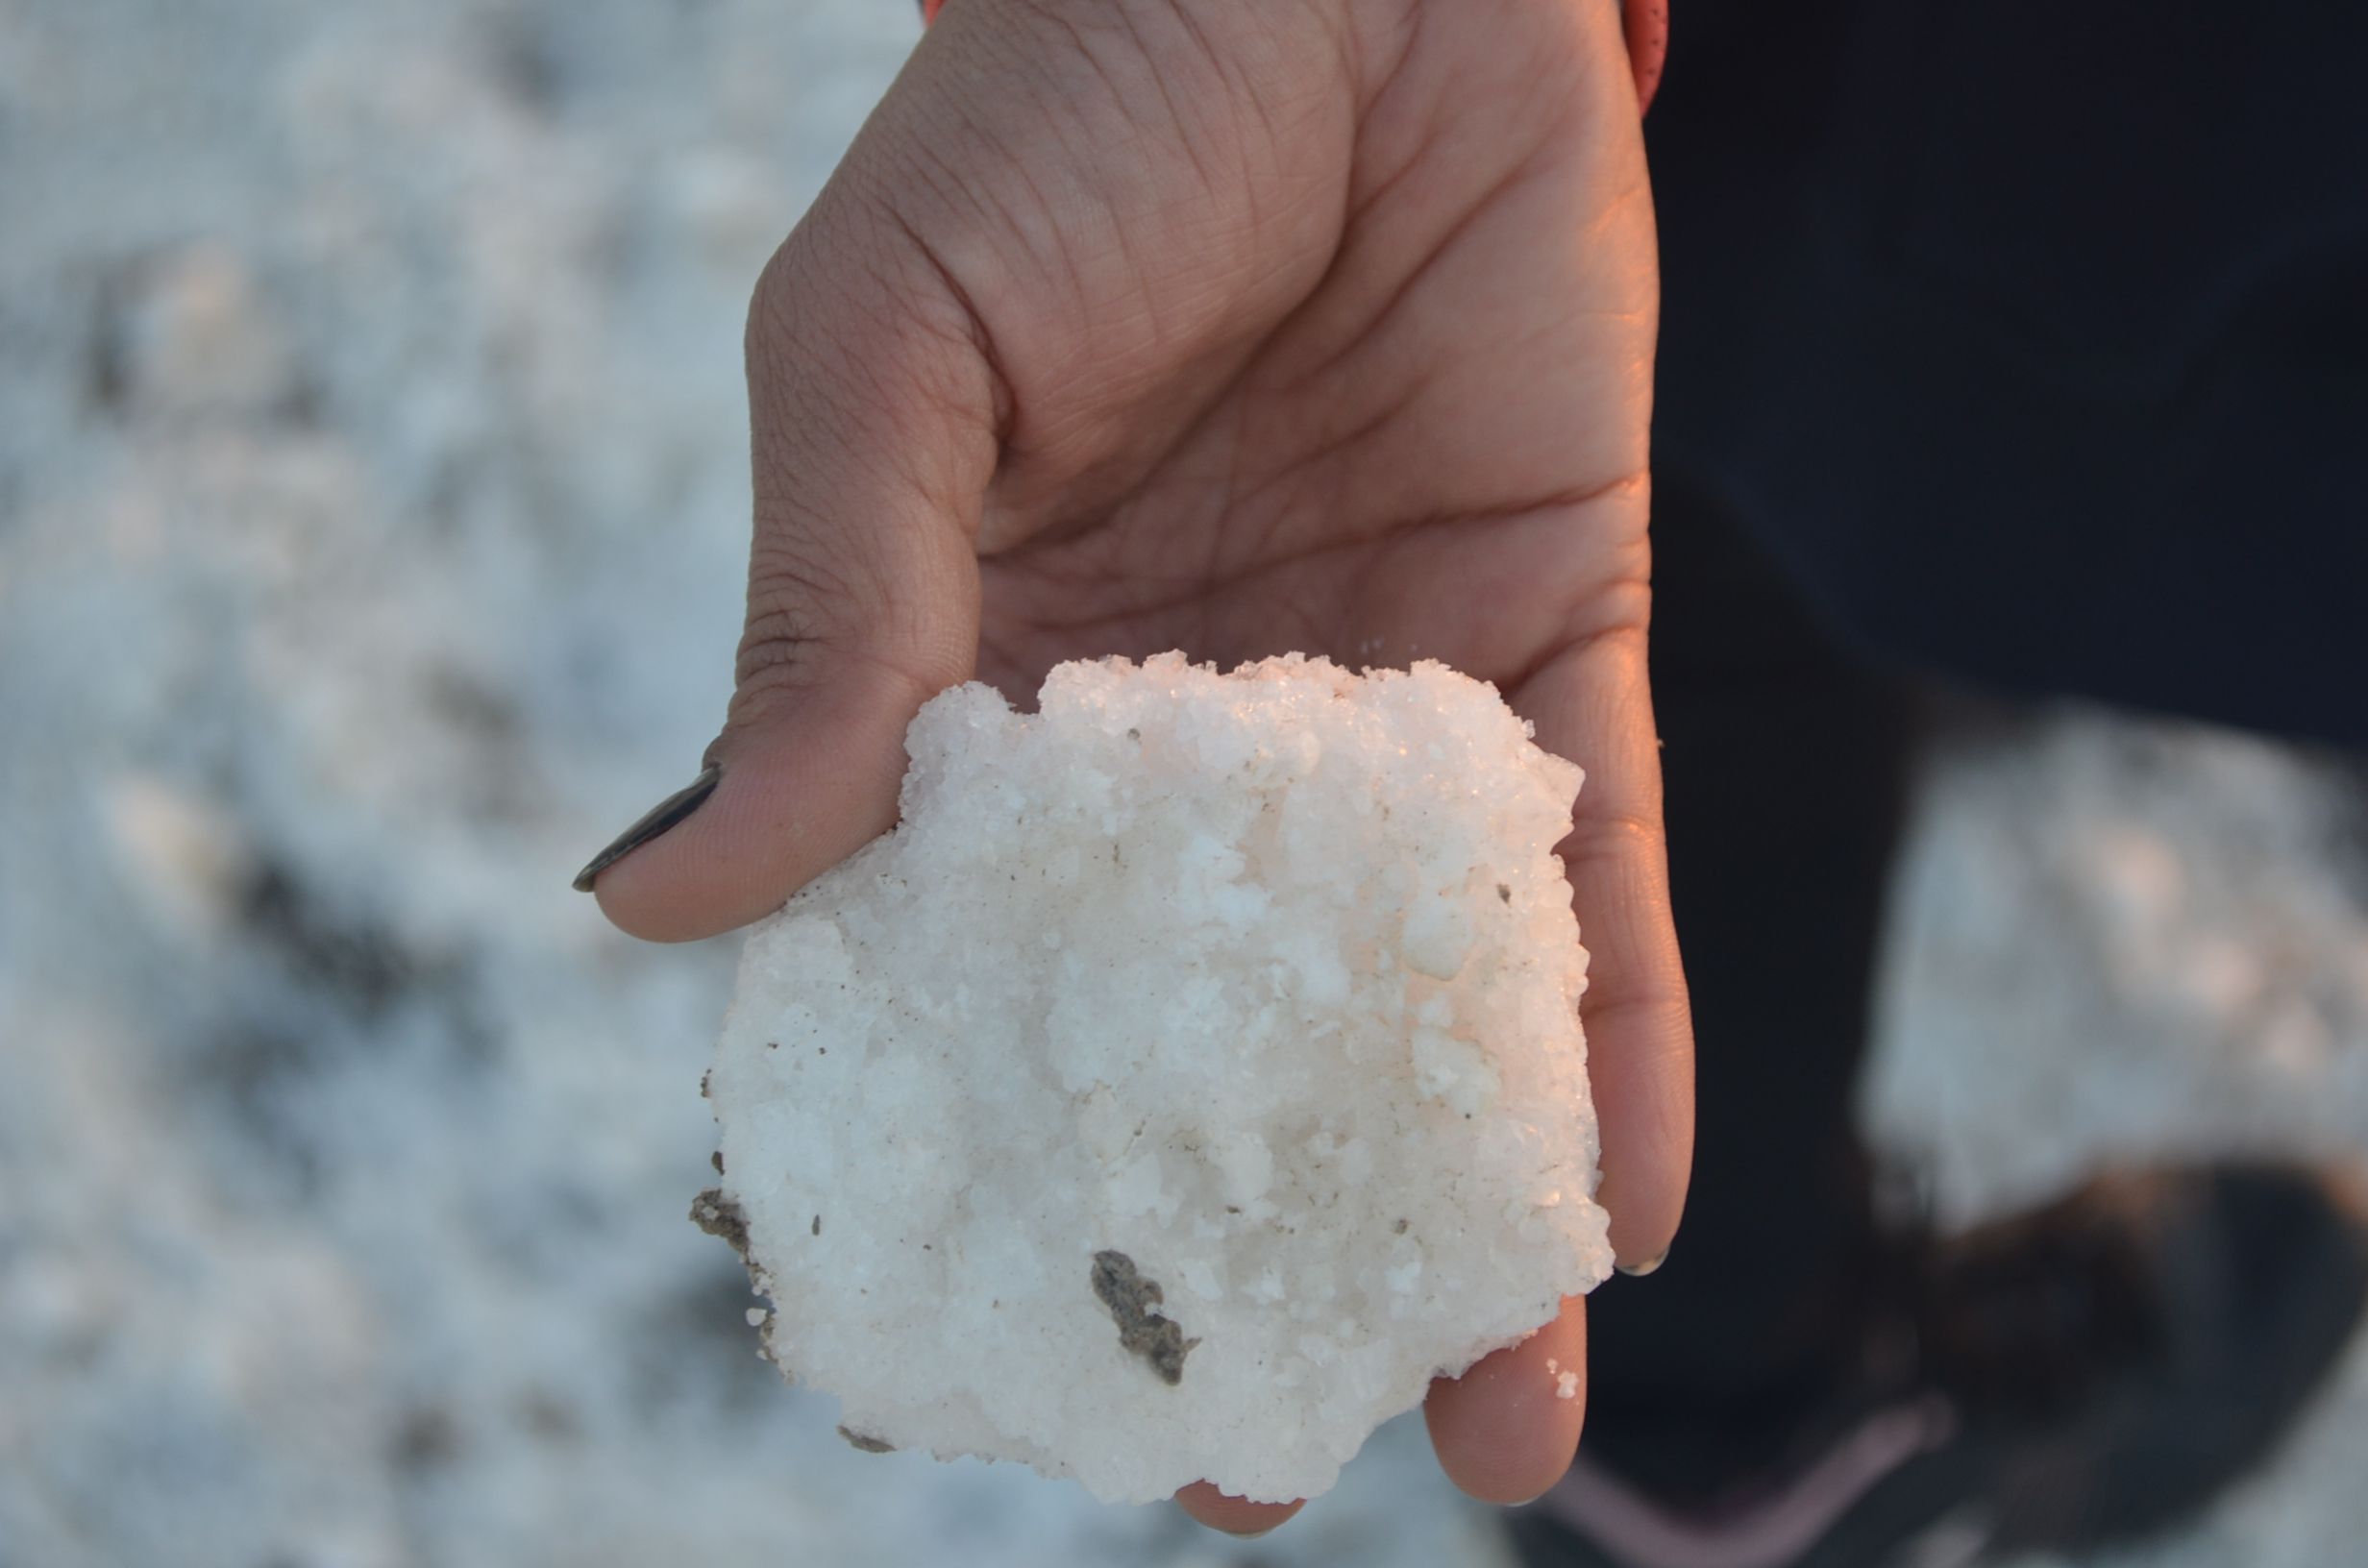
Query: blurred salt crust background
[372,510]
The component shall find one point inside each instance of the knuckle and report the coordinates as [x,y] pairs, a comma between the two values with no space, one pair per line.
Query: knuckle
[801,607]
[1612,838]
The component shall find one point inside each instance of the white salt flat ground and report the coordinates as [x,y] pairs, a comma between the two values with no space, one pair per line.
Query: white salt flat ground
[371,514]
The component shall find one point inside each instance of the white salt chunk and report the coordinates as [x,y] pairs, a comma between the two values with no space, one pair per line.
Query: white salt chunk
[1191,1076]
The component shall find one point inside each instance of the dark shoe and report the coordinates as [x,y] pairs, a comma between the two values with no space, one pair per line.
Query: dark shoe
[2084,1375]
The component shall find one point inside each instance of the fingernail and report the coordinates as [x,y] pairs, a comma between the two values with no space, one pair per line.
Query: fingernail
[1638,1271]
[656,821]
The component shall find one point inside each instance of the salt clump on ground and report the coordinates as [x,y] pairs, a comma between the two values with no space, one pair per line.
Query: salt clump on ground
[1191,1075]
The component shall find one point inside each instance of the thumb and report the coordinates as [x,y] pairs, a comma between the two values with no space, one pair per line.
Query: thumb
[873,413]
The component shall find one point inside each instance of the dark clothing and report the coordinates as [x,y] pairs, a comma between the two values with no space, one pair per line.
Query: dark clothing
[1785,765]
[2025,344]
[2033,339]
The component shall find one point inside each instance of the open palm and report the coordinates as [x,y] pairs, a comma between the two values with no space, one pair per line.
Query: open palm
[1237,326]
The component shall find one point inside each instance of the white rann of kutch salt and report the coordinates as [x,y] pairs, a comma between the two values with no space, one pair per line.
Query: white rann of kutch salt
[1191,1075]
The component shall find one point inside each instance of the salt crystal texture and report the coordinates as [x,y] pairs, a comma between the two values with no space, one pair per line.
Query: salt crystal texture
[1191,1075]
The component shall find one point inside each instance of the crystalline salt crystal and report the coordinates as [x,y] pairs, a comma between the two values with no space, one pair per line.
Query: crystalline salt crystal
[1185,1079]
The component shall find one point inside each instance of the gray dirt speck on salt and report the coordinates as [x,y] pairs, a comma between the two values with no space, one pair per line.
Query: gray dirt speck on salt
[1142,1331]
[721,1216]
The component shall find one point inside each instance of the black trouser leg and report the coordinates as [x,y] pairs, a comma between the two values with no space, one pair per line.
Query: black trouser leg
[1784,761]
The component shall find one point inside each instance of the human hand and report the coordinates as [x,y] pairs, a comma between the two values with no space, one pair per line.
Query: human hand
[1239,326]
